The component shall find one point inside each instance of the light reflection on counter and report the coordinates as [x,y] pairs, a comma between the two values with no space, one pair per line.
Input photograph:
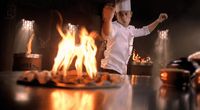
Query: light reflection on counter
[137,79]
[95,99]
[133,80]
[72,100]
[141,91]
[173,98]
[197,99]
[22,95]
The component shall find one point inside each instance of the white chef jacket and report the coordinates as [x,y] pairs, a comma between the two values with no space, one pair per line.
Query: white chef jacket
[119,46]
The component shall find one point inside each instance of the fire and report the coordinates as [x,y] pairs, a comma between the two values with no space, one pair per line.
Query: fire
[137,59]
[29,44]
[164,75]
[27,26]
[84,51]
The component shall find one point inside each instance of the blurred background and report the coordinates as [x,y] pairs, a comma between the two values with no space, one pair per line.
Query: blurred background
[183,26]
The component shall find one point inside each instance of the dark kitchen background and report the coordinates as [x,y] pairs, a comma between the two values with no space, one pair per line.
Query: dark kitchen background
[183,25]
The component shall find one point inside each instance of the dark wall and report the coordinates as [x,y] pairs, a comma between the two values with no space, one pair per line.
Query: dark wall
[43,12]
[183,24]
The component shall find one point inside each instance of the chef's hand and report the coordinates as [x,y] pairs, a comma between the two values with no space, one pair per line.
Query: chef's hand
[108,12]
[162,17]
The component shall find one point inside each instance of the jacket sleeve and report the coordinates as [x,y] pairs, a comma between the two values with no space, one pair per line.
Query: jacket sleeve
[138,32]
[112,34]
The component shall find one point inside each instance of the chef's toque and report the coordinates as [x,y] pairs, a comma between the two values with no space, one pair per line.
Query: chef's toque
[123,5]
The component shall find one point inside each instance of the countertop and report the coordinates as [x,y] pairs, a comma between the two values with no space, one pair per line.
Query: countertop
[139,92]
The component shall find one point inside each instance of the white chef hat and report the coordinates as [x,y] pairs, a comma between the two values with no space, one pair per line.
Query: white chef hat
[123,5]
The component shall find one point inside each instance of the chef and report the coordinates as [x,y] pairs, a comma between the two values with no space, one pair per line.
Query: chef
[120,34]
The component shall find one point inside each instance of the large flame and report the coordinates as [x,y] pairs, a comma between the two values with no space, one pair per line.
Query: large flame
[68,49]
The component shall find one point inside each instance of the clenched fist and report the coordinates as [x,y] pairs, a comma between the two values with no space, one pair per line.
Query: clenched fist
[162,17]
[108,12]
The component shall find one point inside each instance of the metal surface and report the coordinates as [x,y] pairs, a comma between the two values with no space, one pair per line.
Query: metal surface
[139,69]
[137,93]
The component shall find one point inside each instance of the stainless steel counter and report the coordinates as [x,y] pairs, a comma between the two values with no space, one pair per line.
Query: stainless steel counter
[137,93]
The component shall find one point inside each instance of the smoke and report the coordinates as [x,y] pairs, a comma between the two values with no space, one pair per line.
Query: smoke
[23,36]
[162,51]
[162,54]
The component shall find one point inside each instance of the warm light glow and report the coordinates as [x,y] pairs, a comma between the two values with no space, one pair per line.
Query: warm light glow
[21,97]
[163,75]
[74,101]
[162,47]
[84,51]
[134,80]
[163,34]
[29,44]
[198,79]
[27,25]
[163,92]
[24,37]
[137,59]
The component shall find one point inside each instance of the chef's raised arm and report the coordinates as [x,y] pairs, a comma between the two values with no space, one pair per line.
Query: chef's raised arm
[162,17]
[108,14]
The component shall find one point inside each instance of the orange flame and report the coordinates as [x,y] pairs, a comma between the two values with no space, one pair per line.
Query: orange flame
[137,59]
[164,76]
[29,44]
[84,52]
